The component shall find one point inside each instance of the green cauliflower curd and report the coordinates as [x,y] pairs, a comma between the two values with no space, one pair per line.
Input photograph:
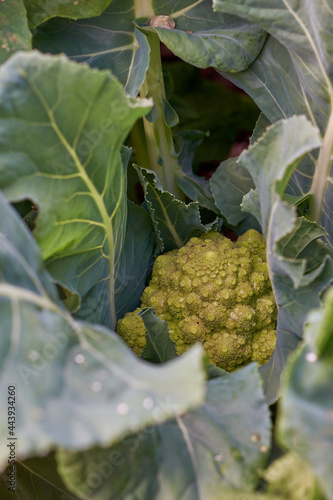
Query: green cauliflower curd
[215,292]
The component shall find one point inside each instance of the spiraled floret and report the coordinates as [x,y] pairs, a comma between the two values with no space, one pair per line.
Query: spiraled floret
[132,329]
[215,292]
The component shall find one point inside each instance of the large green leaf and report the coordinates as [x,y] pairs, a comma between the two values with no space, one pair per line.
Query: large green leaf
[14,31]
[174,221]
[229,184]
[272,82]
[303,243]
[204,38]
[303,32]
[77,384]
[271,161]
[195,187]
[294,301]
[109,41]
[35,479]
[38,13]
[261,125]
[139,246]
[62,126]
[305,418]
[293,75]
[202,455]
[159,347]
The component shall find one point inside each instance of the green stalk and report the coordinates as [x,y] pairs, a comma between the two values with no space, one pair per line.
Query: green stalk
[158,135]
[321,174]
[143,8]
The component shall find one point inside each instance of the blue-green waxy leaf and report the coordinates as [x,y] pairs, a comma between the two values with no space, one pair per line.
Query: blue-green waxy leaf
[14,31]
[293,75]
[229,184]
[109,41]
[195,187]
[271,161]
[62,126]
[77,384]
[174,221]
[303,243]
[35,478]
[170,116]
[261,125]
[272,82]
[205,38]
[138,65]
[202,38]
[159,347]
[306,413]
[303,51]
[207,454]
[295,293]
[139,247]
[39,12]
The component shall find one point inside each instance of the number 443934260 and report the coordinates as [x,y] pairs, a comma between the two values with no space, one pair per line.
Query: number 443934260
[11,410]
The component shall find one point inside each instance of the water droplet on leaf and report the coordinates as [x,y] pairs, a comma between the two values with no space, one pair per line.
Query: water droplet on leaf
[219,457]
[33,355]
[255,438]
[122,409]
[148,403]
[79,359]
[311,357]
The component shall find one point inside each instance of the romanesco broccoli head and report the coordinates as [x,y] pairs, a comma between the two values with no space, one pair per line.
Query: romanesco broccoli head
[215,292]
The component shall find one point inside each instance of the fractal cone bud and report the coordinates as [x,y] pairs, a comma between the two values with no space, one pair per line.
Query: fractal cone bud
[215,292]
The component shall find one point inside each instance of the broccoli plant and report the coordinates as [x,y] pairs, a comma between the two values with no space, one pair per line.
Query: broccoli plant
[106,226]
[213,292]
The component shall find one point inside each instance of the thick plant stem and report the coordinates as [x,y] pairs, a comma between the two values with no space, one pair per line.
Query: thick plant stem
[143,8]
[321,174]
[158,135]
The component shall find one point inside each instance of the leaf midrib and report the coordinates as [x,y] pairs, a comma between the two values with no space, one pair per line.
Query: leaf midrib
[94,192]
[313,46]
[190,450]
[169,224]
[18,294]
